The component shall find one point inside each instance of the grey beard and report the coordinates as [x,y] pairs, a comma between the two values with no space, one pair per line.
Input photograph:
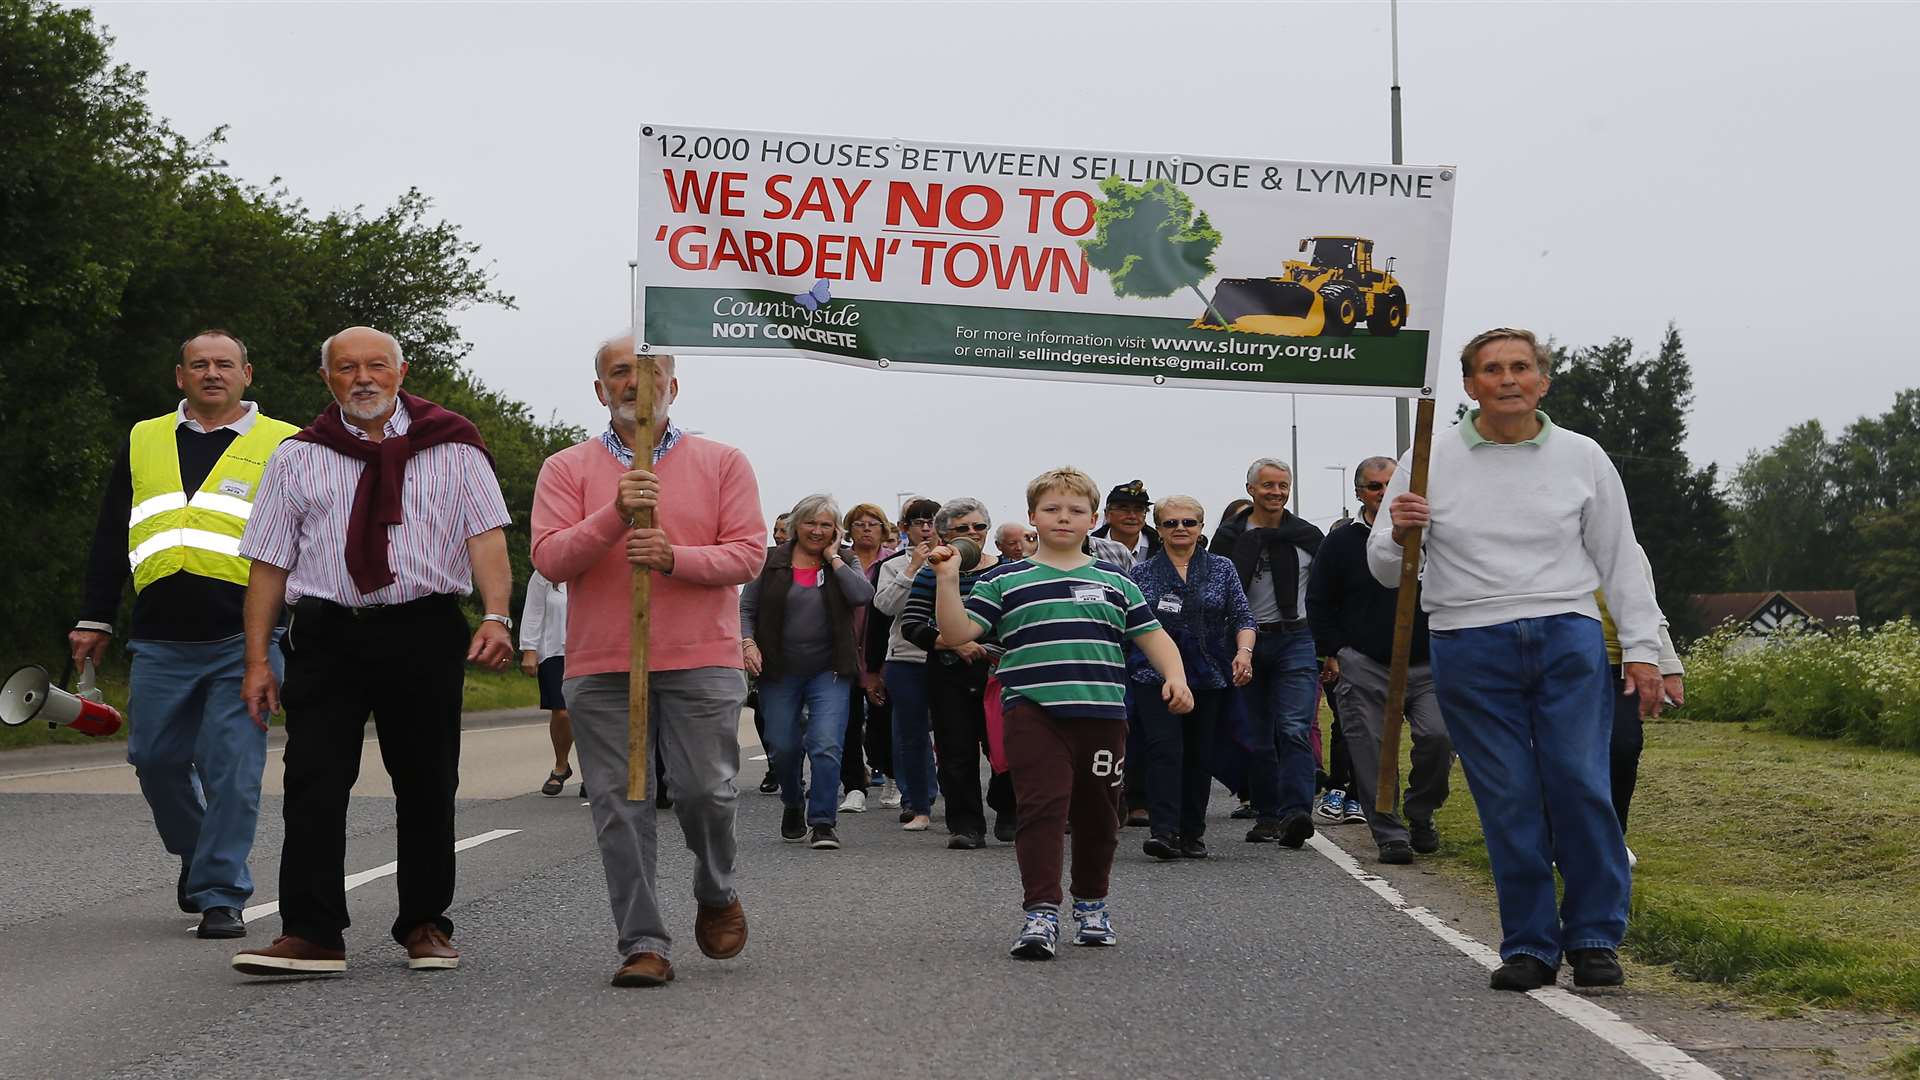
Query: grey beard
[371,412]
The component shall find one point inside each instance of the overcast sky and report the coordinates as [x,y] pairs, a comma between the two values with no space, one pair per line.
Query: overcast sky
[1745,170]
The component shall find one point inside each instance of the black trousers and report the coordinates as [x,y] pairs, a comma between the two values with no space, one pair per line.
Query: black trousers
[1339,761]
[853,762]
[956,702]
[405,666]
[1629,738]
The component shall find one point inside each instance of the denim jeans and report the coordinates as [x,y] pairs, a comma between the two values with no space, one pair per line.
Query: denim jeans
[1529,705]
[807,715]
[1280,704]
[198,757]
[912,735]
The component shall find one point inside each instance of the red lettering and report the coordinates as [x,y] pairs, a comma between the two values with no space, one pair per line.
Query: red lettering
[904,196]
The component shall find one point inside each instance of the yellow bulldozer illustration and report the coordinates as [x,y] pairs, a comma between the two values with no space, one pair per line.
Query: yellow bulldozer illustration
[1333,291]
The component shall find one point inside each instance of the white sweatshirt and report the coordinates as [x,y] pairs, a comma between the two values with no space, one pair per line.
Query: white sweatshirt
[1520,531]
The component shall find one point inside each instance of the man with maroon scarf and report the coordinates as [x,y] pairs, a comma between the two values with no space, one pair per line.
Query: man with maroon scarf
[372,523]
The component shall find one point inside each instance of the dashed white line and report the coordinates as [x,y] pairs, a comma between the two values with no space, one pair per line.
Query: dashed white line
[1659,1056]
[354,881]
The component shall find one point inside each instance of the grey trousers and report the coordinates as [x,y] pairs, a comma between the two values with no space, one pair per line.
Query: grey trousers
[1363,705]
[694,718]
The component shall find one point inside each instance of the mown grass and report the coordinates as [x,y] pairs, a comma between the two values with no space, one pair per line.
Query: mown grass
[1784,868]
[484,691]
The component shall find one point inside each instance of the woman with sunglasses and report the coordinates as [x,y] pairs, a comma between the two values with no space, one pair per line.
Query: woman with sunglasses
[1197,596]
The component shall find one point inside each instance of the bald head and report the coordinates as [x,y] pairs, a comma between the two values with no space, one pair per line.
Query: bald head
[361,338]
[617,381]
[622,345]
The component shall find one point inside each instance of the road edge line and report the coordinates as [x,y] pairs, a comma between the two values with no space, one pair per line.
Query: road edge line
[354,881]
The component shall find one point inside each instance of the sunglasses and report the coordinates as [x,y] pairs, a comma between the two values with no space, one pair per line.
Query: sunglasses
[976,527]
[1375,485]
[1180,523]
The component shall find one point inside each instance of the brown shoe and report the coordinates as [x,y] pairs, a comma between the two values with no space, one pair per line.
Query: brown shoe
[289,955]
[429,949]
[644,969]
[721,932]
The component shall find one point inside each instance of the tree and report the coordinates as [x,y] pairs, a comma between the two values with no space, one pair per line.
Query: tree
[1149,241]
[1785,527]
[1889,569]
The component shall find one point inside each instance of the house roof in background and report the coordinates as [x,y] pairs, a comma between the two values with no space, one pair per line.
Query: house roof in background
[1820,605]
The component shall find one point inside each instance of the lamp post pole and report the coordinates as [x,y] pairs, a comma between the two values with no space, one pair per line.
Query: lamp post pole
[1402,421]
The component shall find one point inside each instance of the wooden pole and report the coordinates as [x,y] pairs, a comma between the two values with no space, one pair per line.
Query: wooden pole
[638,751]
[1387,795]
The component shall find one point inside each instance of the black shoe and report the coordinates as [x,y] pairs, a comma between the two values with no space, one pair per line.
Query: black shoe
[793,824]
[1295,828]
[180,892]
[1426,838]
[662,801]
[906,816]
[1595,967]
[1137,819]
[1522,973]
[964,841]
[583,789]
[1162,846]
[769,784]
[824,839]
[221,922]
[1396,853]
[1193,849]
[1265,831]
[1244,812]
[1003,825]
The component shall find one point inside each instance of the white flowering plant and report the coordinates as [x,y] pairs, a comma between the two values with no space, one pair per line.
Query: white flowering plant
[1840,682]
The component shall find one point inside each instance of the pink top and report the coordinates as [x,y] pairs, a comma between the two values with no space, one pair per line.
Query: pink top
[710,509]
[807,579]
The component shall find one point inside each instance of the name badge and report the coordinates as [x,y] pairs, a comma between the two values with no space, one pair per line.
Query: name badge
[236,488]
[1170,604]
[1089,594]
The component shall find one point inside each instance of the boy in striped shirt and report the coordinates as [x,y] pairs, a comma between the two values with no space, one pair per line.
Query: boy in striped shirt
[1063,617]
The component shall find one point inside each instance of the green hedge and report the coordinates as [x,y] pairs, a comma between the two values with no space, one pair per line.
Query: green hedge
[1844,683]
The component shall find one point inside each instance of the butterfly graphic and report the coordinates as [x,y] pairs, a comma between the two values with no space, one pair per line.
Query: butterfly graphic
[815,298]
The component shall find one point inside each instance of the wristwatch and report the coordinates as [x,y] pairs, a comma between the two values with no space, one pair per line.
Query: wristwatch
[503,620]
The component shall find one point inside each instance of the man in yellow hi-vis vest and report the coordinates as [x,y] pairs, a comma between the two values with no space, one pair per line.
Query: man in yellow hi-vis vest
[175,505]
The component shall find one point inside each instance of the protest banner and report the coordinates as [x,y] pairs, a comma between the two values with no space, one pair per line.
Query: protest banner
[1083,265]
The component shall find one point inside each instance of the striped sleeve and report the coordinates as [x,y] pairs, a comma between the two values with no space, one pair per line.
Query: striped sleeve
[272,532]
[916,619]
[1139,619]
[984,602]
[481,502]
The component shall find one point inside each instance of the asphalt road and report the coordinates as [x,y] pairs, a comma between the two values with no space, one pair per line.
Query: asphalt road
[884,959]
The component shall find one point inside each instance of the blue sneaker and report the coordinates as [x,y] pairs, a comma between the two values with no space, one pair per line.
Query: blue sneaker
[1090,916]
[1355,815]
[1040,937]
[1331,807]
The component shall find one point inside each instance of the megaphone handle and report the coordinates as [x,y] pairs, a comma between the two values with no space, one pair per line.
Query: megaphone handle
[86,677]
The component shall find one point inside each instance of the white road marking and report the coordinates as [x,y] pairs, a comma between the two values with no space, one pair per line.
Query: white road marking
[1659,1056]
[354,881]
[369,740]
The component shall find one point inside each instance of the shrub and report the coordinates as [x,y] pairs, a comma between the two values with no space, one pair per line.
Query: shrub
[1842,683]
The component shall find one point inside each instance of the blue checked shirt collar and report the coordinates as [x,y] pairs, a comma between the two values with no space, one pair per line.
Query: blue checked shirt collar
[624,454]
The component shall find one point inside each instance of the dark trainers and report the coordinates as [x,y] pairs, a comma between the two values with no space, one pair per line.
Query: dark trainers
[1194,848]
[1396,853]
[1003,827]
[824,839]
[793,824]
[1265,831]
[1162,846]
[1522,973]
[556,780]
[769,784]
[1595,967]
[966,841]
[1295,828]
[1243,812]
[221,922]
[1426,838]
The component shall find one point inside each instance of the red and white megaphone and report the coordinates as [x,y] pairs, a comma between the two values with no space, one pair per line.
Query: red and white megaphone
[29,694]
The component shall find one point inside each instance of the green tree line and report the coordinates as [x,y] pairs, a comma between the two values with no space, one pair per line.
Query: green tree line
[120,237]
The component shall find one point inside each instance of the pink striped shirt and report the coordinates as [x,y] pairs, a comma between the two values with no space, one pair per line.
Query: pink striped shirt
[299,520]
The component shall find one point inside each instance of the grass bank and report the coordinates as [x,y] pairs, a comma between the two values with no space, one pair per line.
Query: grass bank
[1845,683]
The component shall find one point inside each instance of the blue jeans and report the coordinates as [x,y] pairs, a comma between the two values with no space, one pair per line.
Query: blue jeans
[1529,705]
[1280,703]
[199,757]
[912,735]
[823,698]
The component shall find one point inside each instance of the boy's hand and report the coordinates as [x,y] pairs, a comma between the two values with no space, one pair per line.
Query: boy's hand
[1179,699]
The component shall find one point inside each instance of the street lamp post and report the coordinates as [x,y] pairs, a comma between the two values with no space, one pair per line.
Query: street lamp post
[1341,471]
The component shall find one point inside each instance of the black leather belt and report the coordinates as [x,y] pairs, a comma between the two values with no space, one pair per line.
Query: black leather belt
[1284,626]
[314,606]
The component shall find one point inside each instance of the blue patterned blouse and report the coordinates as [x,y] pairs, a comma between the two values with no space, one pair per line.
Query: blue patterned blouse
[1202,614]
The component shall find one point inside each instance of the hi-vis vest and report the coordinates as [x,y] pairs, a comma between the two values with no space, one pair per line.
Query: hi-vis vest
[169,532]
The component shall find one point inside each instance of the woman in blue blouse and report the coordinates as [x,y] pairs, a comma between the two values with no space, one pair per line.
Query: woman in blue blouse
[1198,598]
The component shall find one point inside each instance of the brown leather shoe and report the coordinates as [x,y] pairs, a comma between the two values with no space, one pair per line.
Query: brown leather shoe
[721,932]
[644,969]
[429,949]
[289,955]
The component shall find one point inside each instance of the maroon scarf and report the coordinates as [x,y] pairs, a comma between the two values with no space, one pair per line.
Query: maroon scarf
[376,499]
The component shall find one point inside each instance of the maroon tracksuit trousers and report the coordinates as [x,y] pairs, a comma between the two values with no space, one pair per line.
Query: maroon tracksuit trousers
[1064,770]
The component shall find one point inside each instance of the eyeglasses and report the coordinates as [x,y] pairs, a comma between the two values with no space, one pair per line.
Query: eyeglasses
[976,527]
[1374,485]
[1180,523]
[920,523]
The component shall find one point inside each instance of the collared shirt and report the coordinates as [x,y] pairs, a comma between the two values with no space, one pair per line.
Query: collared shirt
[1474,440]
[624,454]
[240,426]
[299,520]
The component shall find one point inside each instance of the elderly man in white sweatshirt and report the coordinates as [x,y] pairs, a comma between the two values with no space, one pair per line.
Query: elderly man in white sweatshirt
[1524,520]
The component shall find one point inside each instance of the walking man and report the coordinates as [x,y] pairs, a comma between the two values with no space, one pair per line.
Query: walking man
[195,751]
[707,541]
[1352,617]
[372,523]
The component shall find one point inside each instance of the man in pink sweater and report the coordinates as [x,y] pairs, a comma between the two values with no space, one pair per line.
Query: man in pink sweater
[709,541]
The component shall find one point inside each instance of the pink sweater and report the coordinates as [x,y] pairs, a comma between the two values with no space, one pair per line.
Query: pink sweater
[710,509]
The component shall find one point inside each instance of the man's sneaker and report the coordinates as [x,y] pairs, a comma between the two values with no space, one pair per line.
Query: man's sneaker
[1295,828]
[1595,967]
[769,784]
[854,803]
[1265,831]
[1355,813]
[824,839]
[1396,853]
[289,955]
[1091,922]
[793,824]
[1426,838]
[890,795]
[1243,812]
[1195,848]
[1331,807]
[1162,846]
[1039,937]
[1522,973]
[967,841]
[221,922]
[1004,826]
